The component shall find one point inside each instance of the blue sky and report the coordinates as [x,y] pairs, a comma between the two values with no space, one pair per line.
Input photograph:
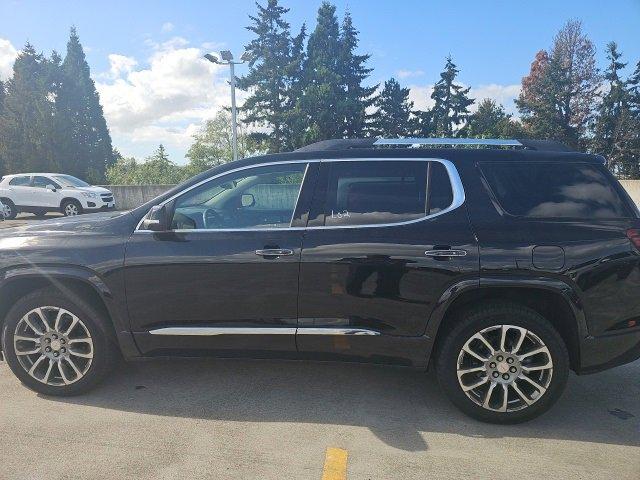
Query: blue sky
[145,55]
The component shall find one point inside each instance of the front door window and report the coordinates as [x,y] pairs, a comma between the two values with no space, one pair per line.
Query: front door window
[254,198]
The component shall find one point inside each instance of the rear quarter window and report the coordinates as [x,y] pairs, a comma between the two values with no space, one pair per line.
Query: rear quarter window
[555,190]
[20,181]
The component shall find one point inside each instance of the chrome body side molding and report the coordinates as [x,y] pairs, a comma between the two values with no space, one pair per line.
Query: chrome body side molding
[212,331]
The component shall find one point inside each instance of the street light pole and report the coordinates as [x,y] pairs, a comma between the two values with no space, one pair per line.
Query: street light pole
[227,59]
[234,120]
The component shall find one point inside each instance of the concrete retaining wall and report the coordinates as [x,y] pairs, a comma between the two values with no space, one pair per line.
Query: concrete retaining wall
[131,196]
[633,187]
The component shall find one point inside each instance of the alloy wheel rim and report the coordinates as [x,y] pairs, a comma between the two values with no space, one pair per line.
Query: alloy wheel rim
[7,211]
[71,210]
[504,368]
[53,346]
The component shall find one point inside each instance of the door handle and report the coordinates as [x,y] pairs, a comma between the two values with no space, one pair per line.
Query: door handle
[275,252]
[445,253]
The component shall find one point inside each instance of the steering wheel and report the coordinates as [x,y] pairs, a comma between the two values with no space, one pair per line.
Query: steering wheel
[212,219]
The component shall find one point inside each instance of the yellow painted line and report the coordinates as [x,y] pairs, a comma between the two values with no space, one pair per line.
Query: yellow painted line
[335,464]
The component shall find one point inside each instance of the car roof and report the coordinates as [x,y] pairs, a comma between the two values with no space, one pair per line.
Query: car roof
[32,174]
[452,154]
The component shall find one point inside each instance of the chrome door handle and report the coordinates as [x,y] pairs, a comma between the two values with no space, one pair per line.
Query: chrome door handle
[445,253]
[275,252]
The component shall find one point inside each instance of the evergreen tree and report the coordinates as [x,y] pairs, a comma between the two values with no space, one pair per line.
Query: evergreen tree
[353,72]
[451,107]
[634,91]
[613,135]
[392,118]
[491,121]
[87,150]
[322,99]
[26,143]
[558,95]
[296,123]
[267,79]
[2,95]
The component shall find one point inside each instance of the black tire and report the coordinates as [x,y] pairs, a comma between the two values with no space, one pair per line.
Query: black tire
[476,320]
[66,210]
[105,351]
[10,210]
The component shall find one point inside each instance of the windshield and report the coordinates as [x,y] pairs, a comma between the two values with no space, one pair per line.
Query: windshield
[69,181]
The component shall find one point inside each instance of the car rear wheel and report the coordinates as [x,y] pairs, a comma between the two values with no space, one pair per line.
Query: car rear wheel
[503,363]
[71,208]
[57,346]
[10,211]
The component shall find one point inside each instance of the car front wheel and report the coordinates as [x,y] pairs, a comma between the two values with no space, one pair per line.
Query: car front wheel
[71,208]
[503,363]
[55,345]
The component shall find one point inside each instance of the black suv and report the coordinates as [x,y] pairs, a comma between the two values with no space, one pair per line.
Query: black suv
[503,264]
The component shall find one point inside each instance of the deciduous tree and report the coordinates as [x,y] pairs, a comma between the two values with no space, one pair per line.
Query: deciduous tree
[558,96]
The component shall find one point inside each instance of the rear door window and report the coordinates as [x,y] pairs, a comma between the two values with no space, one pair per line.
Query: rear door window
[384,192]
[554,190]
[42,182]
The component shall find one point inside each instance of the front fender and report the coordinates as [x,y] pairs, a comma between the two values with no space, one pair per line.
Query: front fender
[57,274]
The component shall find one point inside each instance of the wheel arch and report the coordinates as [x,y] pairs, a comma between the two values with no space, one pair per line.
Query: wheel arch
[69,199]
[553,299]
[75,283]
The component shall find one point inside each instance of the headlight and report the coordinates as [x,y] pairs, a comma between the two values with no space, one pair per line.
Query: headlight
[90,194]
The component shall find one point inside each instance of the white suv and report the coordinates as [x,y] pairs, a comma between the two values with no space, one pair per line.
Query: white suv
[40,193]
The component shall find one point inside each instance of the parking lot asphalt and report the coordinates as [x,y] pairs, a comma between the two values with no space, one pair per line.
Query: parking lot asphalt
[242,419]
[26,218]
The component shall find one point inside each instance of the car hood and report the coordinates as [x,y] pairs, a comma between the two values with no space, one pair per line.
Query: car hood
[90,223]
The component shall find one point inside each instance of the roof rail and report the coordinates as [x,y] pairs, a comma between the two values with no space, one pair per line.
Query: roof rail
[495,142]
[346,144]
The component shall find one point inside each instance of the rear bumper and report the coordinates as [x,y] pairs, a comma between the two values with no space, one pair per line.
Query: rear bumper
[608,351]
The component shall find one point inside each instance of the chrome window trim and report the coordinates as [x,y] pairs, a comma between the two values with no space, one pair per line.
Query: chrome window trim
[214,331]
[457,188]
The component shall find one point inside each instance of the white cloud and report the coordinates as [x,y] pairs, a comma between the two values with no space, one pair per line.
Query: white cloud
[420,95]
[8,54]
[120,64]
[505,95]
[167,27]
[166,101]
[409,73]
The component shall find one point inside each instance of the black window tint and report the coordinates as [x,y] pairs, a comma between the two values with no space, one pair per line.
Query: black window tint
[20,181]
[440,192]
[554,190]
[375,192]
